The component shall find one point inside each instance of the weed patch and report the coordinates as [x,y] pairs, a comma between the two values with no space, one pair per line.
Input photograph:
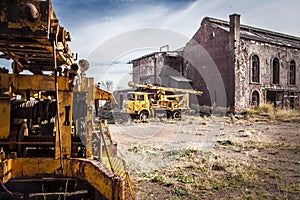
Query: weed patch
[226,142]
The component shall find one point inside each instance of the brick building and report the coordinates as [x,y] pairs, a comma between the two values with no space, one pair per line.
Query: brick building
[246,65]
[161,68]
[236,66]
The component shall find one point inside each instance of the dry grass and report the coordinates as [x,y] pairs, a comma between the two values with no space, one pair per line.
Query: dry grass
[267,110]
[263,109]
[202,172]
[203,175]
[249,159]
[287,115]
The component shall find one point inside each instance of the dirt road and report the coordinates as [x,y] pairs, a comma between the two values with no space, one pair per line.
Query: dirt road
[212,158]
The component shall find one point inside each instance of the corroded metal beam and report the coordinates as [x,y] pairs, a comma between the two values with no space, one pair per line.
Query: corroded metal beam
[30,26]
[95,173]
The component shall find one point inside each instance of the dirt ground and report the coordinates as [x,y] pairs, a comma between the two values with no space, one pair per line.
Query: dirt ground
[211,158]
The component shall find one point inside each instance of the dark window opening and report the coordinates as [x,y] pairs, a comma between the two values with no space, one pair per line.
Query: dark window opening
[292,73]
[140,98]
[276,71]
[271,97]
[255,69]
[255,99]
[292,100]
[130,96]
[276,98]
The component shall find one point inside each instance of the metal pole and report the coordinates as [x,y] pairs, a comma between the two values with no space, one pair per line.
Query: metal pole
[100,148]
[105,146]
[155,65]
[57,104]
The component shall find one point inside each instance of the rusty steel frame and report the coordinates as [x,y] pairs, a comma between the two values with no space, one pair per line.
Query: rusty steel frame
[40,44]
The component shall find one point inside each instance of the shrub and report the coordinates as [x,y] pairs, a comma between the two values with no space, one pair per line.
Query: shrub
[265,108]
[268,109]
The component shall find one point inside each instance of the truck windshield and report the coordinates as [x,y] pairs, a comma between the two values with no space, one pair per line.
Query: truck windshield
[130,96]
[140,97]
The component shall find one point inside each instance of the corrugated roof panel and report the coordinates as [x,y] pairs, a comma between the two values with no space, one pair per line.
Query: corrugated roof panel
[258,34]
[180,79]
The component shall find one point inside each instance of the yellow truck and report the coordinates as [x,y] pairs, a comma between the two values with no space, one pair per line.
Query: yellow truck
[154,101]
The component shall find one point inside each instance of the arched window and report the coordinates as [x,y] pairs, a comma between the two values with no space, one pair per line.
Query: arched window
[255,69]
[276,71]
[255,99]
[292,73]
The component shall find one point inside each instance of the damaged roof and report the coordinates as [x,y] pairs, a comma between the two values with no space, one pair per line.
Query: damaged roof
[180,79]
[175,53]
[257,34]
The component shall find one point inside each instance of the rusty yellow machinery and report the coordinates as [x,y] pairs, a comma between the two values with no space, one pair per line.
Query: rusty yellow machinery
[46,103]
[102,95]
[154,100]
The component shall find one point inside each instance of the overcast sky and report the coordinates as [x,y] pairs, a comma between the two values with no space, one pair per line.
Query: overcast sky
[109,33]
[92,22]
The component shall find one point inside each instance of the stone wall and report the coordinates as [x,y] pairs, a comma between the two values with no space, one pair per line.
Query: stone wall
[266,53]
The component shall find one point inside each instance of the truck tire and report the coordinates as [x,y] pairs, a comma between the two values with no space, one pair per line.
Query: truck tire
[176,114]
[143,116]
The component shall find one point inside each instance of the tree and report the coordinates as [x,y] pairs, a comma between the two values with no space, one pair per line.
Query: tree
[107,85]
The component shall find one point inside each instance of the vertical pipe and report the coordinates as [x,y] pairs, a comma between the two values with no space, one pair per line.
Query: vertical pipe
[155,69]
[100,147]
[57,112]
[104,143]
[139,71]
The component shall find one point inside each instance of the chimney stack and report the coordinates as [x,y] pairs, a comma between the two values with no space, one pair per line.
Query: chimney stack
[234,35]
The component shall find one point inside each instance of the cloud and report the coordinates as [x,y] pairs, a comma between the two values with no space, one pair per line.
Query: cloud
[89,11]
[90,35]
[276,15]
[95,24]
[98,21]
[111,57]
[5,64]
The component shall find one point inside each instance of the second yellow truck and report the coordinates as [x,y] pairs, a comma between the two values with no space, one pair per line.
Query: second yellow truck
[154,101]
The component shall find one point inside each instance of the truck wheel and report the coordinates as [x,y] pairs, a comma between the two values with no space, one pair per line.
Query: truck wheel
[143,116]
[177,114]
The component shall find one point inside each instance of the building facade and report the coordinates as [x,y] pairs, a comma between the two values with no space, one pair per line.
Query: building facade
[247,65]
[236,66]
[161,68]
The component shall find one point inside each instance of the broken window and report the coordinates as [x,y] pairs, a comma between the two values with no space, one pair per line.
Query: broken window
[255,99]
[292,72]
[276,71]
[130,96]
[255,69]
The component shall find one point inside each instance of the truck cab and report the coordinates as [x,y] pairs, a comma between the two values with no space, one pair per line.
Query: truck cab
[138,105]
